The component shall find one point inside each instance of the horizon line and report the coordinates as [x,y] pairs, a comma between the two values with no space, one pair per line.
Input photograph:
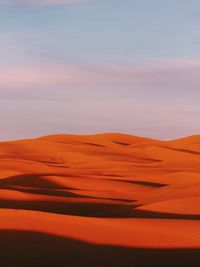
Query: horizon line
[100,133]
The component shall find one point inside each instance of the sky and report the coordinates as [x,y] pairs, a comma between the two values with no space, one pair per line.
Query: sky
[92,66]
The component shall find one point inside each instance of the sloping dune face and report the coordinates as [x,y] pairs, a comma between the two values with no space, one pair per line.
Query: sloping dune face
[100,200]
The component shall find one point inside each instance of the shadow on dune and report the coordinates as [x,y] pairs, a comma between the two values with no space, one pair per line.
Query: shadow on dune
[135,182]
[94,144]
[58,193]
[121,143]
[33,249]
[192,152]
[43,191]
[31,180]
[101,210]
[162,215]
[98,210]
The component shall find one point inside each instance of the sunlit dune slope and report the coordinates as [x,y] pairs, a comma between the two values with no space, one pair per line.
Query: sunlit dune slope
[103,190]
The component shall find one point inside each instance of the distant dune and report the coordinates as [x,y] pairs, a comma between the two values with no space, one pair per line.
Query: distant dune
[100,200]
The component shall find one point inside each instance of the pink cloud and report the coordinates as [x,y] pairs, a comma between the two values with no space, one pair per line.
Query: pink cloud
[165,74]
[53,76]
[40,76]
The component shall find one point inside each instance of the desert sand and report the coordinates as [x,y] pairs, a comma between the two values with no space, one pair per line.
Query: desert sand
[100,200]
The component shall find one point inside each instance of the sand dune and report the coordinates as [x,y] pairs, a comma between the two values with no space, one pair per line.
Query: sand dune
[98,195]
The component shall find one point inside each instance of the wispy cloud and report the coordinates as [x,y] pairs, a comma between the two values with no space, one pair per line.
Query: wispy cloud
[163,75]
[35,3]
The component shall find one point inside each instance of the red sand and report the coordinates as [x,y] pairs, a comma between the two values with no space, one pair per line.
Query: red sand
[94,196]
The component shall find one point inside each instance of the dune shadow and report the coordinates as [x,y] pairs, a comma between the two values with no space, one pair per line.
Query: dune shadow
[59,193]
[121,143]
[43,191]
[192,152]
[31,180]
[34,249]
[92,209]
[145,183]
[163,215]
[94,144]
[99,210]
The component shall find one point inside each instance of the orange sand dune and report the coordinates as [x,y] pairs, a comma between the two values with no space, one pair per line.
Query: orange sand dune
[100,200]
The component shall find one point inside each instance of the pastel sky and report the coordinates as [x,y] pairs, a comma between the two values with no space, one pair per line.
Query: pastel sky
[88,66]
